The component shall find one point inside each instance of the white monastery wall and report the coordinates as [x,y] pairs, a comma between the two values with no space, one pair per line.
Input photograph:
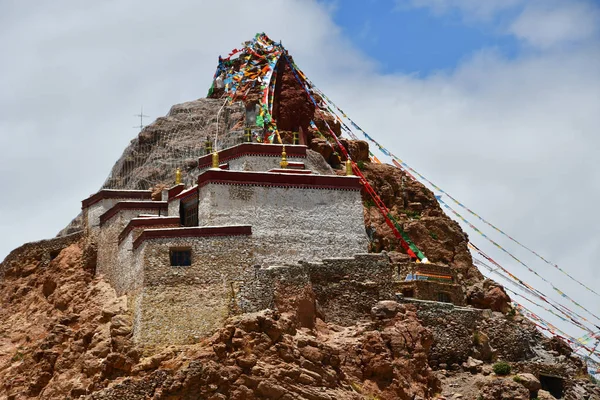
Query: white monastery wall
[92,213]
[108,246]
[173,208]
[130,276]
[289,224]
[181,304]
[259,163]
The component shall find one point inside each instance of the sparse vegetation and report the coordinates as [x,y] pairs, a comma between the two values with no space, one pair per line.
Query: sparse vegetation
[18,356]
[360,165]
[356,387]
[501,368]
[476,338]
[433,235]
[411,214]
[511,313]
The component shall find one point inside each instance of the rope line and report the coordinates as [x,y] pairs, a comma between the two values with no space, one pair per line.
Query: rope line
[445,205]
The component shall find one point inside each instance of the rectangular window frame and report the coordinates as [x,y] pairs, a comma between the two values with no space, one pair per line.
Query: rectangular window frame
[180,256]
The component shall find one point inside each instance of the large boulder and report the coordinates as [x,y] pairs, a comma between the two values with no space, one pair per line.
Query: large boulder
[543,395]
[488,295]
[503,389]
[530,382]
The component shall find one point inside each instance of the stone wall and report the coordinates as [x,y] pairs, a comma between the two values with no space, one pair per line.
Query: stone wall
[179,304]
[129,272]
[430,290]
[91,216]
[342,290]
[108,247]
[460,332]
[256,163]
[99,203]
[288,223]
[173,209]
[43,251]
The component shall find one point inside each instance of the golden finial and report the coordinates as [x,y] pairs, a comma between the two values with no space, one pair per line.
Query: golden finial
[283,164]
[349,168]
[248,134]
[178,176]
[215,160]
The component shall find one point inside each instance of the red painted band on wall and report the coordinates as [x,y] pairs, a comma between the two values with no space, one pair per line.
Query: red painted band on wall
[175,190]
[279,180]
[148,222]
[253,149]
[116,194]
[186,193]
[187,232]
[159,206]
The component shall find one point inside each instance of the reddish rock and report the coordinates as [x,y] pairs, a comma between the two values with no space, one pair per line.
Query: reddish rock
[488,295]
[504,389]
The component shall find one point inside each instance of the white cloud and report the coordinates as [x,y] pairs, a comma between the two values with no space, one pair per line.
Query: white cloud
[539,23]
[516,140]
[471,9]
[547,24]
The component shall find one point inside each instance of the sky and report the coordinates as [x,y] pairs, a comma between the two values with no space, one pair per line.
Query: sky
[495,101]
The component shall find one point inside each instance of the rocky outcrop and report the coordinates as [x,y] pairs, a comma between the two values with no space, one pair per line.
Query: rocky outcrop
[414,206]
[488,295]
[504,389]
[265,355]
[63,332]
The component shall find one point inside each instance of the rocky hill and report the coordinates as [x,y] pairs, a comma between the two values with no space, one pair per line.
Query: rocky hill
[64,333]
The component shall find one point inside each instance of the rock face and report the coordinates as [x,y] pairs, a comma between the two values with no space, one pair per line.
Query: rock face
[504,389]
[414,206]
[64,334]
[488,295]
[265,355]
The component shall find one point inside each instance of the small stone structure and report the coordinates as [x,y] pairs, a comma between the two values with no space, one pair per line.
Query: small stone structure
[344,289]
[230,242]
[429,282]
[460,332]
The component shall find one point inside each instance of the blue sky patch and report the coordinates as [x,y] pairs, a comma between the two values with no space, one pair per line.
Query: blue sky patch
[414,40]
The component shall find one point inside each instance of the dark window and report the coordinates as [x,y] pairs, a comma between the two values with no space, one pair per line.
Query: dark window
[54,254]
[188,212]
[444,297]
[181,257]
[408,292]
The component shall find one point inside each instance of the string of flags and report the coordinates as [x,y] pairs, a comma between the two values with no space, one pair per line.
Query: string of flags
[470,225]
[542,323]
[572,316]
[408,245]
[255,67]
[520,284]
[401,164]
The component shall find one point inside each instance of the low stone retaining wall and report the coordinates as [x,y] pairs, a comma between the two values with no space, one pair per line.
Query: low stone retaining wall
[460,332]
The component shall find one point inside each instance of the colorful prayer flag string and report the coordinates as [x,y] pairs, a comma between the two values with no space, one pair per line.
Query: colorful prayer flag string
[397,160]
[470,225]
